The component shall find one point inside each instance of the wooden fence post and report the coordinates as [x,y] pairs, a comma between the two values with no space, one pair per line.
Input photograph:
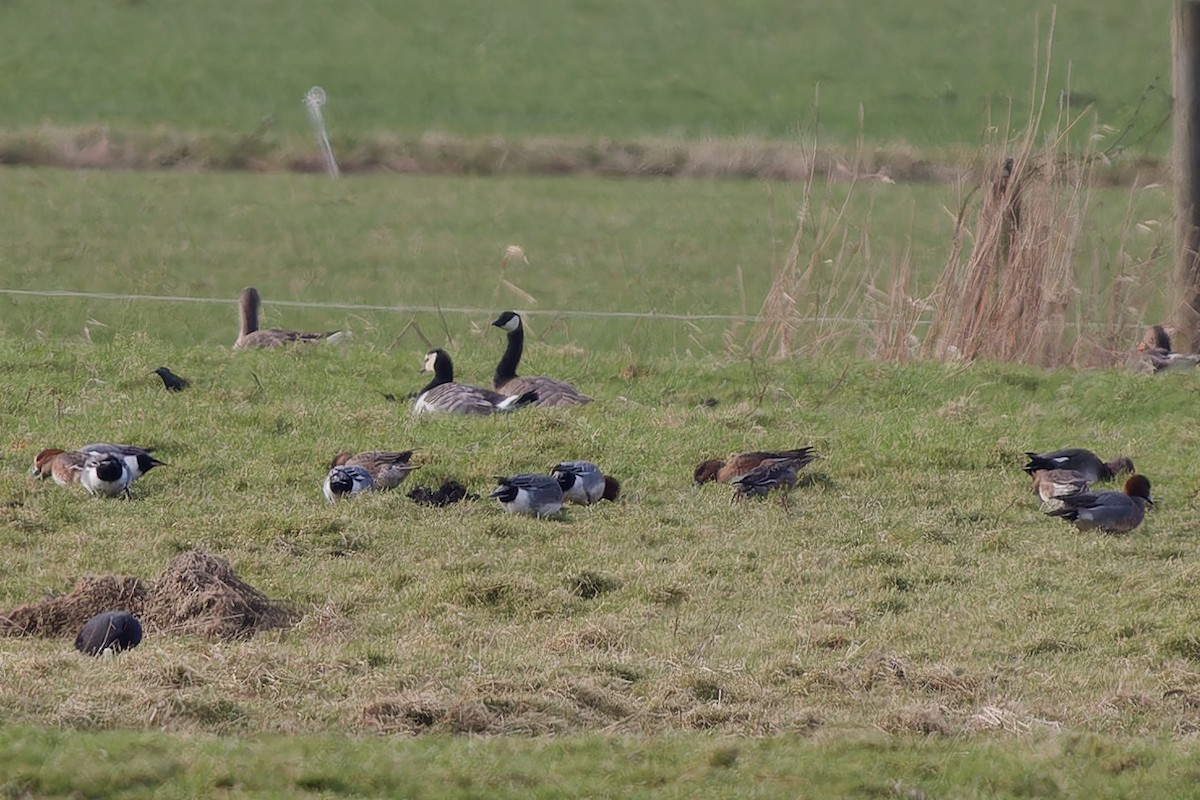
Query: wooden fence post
[1185,166]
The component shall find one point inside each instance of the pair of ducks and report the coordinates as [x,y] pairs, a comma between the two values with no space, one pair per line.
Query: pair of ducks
[1062,479]
[757,473]
[100,468]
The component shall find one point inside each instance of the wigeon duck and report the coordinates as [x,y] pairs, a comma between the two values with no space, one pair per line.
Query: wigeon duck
[137,459]
[171,381]
[106,474]
[442,394]
[344,481]
[1111,512]
[249,334]
[532,495]
[582,482]
[388,469]
[1085,462]
[451,491]
[62,466]
[109,632]
[742,463]
[765,478]
[1055,484]
[550,391]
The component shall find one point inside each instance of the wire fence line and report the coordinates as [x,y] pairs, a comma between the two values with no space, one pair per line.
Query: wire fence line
[404,309]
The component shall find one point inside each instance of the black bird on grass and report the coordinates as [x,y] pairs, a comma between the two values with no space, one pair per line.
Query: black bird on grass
[171,381]
[109,630]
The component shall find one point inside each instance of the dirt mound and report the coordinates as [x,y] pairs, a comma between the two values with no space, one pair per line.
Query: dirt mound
[196,593]
[63,616]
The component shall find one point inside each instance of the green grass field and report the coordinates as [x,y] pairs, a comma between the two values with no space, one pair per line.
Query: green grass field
[922,73]
[912,627]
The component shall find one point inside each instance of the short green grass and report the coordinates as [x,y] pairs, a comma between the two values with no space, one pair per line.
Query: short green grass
[923,73]
[593,245]
[915,590]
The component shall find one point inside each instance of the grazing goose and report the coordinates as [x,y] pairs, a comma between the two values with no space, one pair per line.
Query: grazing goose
[741,464]
[171,381]
[765,478]
[582,482]
[1055,484]
[1085,462]
[249,334]
[106,474]
[60,465]
[531,495]
[1111,512]
[387,468]
[551,391]
[109,632]
[443,394]
[137,459]
[344,481]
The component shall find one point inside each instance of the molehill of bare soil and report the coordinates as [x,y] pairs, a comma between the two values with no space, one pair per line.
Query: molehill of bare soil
[197,593]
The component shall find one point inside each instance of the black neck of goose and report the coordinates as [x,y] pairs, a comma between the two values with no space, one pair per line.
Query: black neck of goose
[443,372]
[506,370]
[249,311]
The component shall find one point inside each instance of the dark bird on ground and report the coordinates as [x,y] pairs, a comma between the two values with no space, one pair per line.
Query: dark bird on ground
[1111,512]
[743,463]
[769,476]
[171,381]
[451,491]
[109,631]
[1085,462]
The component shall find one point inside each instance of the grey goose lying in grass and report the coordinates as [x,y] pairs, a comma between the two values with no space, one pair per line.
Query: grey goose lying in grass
[442,394]
[551,391]
[249,334]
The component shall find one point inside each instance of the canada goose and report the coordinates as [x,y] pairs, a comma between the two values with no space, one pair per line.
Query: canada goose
[443,394]
[531,495]
[62,466]
[582,482]
[345,481]
[1111,512]
[740,464]
[1085,462]
[109,632]
[551,391]
[171,381]
[106,474]
[249,334]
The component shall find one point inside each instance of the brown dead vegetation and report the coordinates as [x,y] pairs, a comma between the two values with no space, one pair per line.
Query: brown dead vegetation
[197,593]
[446,154]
